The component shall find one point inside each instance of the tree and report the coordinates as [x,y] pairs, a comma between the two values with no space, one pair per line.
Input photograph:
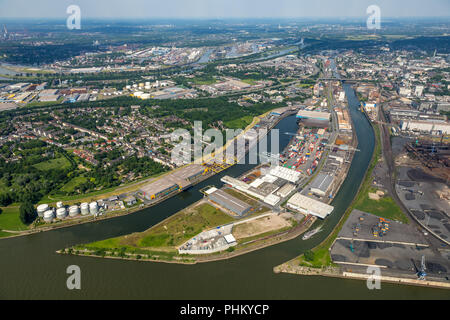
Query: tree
[5,199]
[27,212]
[309,255]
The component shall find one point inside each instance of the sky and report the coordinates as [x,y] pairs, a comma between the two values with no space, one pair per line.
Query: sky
[222,8]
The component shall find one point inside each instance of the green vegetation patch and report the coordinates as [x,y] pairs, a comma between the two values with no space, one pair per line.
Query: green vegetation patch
[172,232]
[183,226]
[250,81]
[385,207]
[207,80]
[58,163]
[73,184]
[10,220]
[5,234]
[240,123]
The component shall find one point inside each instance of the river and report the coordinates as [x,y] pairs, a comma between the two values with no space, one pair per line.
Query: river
[30,268]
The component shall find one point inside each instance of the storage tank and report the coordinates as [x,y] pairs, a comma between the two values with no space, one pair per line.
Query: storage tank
[41,209]
[61,213]
[84,209]
[74,211]
[93,207]
[59,204]
[48,216]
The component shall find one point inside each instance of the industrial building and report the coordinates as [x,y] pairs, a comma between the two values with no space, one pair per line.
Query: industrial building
[313,115]
[310,206]
[426,126]
[228,202]
[321,184]
[285,190]
[159,188]
[189,172]
[264,193]
[177,180]
[286,174]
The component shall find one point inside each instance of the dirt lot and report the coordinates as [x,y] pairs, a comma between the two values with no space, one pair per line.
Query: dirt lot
[259,226]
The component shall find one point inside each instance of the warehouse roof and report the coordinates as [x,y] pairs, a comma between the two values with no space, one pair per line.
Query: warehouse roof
[157,186]
[188,171]
[179,177]
[285,190]
[310,206]
[233,203]
[313,114]
[286,174]
[322,182]
[229,238]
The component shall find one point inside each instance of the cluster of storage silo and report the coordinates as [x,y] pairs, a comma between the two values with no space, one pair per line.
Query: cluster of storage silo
[61,212]
[74,211]
[49,215]
[93,208]
[41,209]
[84,209]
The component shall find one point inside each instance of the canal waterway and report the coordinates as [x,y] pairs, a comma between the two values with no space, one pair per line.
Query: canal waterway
[30,268]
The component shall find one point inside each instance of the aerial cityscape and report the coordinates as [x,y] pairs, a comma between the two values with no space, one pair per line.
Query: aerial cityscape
[227,151]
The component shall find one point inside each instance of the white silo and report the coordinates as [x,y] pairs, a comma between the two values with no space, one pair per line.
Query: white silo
[59,204]
[41,209]
[74,211]
[84,208]
[61,213]
[48,216]
[93,207]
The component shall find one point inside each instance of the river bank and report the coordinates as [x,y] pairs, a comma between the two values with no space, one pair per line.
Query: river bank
[171,255]
[133,187]
[117,248]
[336,272]
[182,259]
[322,264]
[33,270]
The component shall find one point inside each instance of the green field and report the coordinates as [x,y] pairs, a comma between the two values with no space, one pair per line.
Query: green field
[385,207]
[240,123]
[250,81]
[172,232]
[204,81]
[5,234]
[9,219]
[72,184]
[58,163]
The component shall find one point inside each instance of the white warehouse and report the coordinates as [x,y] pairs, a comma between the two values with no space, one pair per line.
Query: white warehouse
[426,126]
[307,206]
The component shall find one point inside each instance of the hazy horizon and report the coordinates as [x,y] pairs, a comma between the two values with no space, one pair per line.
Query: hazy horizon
[222,9]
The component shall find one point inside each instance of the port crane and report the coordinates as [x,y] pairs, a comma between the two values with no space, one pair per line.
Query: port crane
[422,274]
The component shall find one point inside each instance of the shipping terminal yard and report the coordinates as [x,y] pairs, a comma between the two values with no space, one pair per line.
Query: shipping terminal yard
[289,190]
[281,197]
[400,250]
[161,188]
